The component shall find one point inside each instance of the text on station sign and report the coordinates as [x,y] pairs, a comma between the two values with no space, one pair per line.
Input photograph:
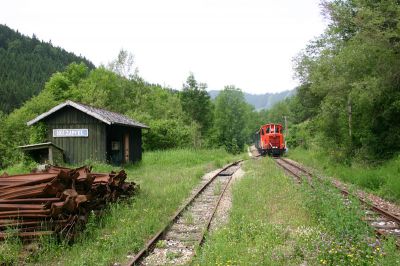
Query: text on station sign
[60,133]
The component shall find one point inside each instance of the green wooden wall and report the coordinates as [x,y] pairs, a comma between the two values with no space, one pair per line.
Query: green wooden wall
[78,149]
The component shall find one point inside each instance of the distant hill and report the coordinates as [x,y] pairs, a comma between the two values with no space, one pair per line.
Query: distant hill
[261,101]
[26,64]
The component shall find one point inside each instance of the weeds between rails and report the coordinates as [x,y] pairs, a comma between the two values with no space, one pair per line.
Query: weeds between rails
[383,221]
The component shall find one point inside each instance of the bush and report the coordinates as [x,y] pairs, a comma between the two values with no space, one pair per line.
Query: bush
[371,181]
[169,133]
[232,147]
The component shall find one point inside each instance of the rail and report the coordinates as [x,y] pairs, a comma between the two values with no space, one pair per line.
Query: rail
[150,244]
[370,205]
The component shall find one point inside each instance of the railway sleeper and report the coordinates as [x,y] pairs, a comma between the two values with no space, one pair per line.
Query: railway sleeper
[196,221]
[385,225]
[186,231]
[172,243]
[183,237]
[200,210]
[209,201]
[371,218]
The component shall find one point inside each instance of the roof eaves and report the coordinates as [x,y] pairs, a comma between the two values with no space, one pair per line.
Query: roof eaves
[137,125]
[52,110]
[68,103]
[93,114]
[39,145]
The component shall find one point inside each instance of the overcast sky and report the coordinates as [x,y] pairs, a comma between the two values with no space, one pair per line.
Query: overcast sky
[247,43]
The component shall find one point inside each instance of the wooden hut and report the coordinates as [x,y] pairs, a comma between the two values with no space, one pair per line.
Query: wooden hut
[44,153]
[87,133]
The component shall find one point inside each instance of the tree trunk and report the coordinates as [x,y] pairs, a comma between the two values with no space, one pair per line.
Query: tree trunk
[349,111]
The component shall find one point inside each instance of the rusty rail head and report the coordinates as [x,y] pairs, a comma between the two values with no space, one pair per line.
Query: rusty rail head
[299,179]
[35,200]
[26,234]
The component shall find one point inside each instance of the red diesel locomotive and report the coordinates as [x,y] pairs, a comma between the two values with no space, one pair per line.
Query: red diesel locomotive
[269,140]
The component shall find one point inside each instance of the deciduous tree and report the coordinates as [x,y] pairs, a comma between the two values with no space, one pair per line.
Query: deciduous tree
[196,102]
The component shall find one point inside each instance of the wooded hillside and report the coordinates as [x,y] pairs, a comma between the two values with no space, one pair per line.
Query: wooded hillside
[26,64]
[261,101]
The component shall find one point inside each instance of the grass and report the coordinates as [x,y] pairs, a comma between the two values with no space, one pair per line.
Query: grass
[188,217]
[382,180]
[171,255]
[344,238]
[166,179]
[9,250]
[275,222]
[218,188]
[261,230]
[23,167]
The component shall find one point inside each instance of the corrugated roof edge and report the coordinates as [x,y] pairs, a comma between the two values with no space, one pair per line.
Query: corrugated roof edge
[82,108]
[38,145]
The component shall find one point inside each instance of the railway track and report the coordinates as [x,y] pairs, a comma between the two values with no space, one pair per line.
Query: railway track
[382,220]
[176,243]
[297,172]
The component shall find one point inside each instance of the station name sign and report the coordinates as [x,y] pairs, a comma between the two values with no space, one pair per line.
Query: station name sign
[65,133]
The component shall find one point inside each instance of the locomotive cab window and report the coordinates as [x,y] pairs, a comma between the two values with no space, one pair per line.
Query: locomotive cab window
[267,129]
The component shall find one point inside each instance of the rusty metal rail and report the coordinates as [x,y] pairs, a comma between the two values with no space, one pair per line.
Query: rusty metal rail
[49,202]
[149,246]
[298,177]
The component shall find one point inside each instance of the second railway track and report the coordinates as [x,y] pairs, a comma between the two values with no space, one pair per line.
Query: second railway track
[176,243]
[382,220]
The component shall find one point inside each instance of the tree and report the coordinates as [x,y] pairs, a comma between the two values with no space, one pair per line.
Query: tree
[350,79]
[231,119]
[196,103]
[3,146]
[61,85]
[123,65]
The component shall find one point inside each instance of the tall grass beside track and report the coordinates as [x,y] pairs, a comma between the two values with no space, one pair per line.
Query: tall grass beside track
[383,179]
[166,178]
[275,222]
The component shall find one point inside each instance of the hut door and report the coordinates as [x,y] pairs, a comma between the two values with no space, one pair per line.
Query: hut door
[126,147]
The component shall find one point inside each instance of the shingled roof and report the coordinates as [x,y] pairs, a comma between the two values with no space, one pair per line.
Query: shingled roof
[108,117]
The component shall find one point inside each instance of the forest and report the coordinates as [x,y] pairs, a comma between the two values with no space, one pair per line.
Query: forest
[26,64]
[347,103]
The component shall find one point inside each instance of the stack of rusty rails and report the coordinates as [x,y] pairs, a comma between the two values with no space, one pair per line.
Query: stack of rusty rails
[56,201]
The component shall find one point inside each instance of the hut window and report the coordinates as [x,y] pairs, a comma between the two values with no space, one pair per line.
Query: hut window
[115,145]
